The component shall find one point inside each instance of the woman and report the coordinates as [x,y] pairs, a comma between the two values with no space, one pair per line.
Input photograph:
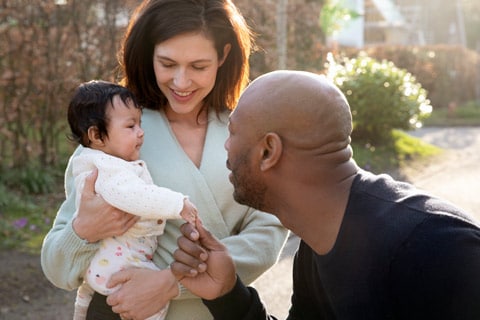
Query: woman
[187,62]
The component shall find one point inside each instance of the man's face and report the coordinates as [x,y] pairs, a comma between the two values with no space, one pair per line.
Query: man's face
[249,189]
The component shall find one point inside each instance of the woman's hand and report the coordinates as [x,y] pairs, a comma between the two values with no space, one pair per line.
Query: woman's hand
[143,293]
[96,219]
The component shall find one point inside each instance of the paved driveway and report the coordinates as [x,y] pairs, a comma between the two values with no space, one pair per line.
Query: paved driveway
[454,176]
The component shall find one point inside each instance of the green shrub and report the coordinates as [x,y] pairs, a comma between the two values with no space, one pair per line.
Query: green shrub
[449,73]
[4,196]
[31,179]
[382,97]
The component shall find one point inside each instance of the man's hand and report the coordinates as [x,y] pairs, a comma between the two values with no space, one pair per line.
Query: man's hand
[202,263]
[96,219]
[143,292]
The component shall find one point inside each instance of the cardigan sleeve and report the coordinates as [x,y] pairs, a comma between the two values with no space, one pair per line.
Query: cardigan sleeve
[64,256]
[256,246]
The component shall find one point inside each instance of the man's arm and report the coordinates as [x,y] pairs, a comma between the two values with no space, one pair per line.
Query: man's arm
[202,264]
[241,303]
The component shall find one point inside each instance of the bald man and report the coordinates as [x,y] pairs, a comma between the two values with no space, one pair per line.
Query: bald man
[372,247]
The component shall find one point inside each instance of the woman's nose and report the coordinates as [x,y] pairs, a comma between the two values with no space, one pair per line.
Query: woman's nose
[182,79]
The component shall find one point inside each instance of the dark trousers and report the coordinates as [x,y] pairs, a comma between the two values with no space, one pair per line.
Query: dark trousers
[98,309]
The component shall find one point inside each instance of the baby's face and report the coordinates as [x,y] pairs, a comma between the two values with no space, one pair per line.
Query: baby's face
[125,135]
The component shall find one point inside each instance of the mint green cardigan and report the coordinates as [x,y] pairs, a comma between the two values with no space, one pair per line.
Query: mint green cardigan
[254,238]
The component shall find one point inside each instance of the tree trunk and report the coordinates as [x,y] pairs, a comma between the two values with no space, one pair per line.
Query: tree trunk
[282,33]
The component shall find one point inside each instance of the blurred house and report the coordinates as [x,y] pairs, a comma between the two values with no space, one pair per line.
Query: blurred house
[403,22]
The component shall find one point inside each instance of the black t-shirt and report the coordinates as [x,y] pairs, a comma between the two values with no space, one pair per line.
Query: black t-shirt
[399,254]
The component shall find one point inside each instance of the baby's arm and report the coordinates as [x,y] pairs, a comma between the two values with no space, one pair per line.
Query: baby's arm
[120,186]
[189,212]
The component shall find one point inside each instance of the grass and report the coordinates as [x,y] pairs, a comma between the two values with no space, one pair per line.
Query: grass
[392,157]
[406,149]
[25,220]
[464,115]
[29,200]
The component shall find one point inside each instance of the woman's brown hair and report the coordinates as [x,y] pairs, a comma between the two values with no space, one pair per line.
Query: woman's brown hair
[155,21]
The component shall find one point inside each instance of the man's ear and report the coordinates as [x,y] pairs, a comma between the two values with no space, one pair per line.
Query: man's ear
[94,137]
[271,150]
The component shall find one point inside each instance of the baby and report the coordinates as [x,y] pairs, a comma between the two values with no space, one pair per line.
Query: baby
[105,119]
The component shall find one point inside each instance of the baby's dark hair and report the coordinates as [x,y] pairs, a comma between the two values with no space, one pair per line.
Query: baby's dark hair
[88,108]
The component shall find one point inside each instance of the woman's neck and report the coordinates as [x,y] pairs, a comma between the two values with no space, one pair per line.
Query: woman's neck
[190,131]
[194,119]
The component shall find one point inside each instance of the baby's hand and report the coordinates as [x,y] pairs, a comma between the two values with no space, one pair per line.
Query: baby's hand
[189,212]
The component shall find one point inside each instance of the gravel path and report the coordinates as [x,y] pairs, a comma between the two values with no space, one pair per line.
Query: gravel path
[456,176]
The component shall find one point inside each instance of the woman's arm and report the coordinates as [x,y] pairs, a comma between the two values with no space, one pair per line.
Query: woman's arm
[143,293]
[257,245]
[64,255]
[70,244]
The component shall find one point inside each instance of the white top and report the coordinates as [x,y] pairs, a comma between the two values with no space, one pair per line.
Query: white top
[128,186]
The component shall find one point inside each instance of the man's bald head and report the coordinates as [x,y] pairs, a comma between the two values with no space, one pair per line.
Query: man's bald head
[305,109]
[289,145]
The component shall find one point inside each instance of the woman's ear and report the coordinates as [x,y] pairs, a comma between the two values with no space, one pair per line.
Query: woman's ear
[226,51]
[94,137]
[271,150]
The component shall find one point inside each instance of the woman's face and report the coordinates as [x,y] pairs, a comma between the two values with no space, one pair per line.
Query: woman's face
[185,69]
